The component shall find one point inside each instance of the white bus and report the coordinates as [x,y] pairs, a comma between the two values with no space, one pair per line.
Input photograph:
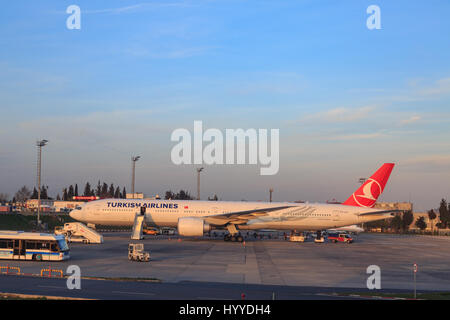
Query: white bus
[19,245]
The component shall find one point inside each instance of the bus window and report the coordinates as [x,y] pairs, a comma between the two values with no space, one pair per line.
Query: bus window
[3,244]
[43,245]
[31,244]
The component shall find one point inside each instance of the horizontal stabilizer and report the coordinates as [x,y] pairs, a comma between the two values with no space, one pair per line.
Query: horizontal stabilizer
[375,213]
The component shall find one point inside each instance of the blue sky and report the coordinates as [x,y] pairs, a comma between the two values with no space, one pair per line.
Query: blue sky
[345,98]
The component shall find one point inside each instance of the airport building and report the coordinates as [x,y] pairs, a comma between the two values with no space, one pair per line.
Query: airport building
[135,196]
[55,205]
[32,204]
[404,206]
[65,205]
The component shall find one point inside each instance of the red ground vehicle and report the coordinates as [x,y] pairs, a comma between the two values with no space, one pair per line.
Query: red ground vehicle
[150,231]
[340,237]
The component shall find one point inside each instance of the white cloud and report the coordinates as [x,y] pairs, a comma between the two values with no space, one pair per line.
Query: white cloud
[410,120]
[440,87]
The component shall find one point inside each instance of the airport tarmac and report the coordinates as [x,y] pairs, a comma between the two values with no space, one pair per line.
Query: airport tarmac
[267,262]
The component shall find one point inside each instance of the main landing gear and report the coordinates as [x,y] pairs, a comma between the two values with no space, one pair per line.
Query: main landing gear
[233,234]
[233,238]
[319,237]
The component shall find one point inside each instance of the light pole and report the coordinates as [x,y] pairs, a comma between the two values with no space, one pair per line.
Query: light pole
[39,144]
[271,191]
[133,172]
[198,182]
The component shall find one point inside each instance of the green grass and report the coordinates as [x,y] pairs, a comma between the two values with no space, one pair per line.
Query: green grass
[21,222]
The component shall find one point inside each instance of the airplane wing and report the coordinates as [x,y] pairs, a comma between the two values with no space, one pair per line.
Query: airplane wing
[373,213]
[240,217]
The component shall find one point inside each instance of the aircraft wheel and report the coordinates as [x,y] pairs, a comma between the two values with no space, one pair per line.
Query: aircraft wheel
[233,238]
[240,239]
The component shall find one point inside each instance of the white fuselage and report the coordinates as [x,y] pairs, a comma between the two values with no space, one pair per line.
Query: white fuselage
[165,213]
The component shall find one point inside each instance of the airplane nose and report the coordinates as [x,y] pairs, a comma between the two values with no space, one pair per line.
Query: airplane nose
[75,214]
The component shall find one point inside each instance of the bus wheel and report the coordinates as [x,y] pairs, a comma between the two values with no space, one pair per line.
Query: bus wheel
[38,257]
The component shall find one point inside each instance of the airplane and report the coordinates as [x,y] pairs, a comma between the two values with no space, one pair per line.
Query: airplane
[194,218]
[353,228]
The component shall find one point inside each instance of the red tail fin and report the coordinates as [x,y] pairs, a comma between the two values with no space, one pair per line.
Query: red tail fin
[368,193]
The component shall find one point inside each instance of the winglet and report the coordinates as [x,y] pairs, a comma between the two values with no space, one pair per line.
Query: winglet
[368,193]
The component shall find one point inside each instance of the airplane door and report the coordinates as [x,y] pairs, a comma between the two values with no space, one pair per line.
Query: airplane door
[96,210]
[336,216]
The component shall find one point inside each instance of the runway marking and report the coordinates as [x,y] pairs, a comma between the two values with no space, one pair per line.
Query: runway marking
[209,298]
[142,293]
[55,287]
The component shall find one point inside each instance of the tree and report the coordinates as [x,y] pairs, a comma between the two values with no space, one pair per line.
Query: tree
[397,223]
[117,193]
[87,190]
[432,215]
[111,191]
[65,196]
[124,193]
[58,197]
[76,190]
[182,195]
[70,193]
[169,195]
[35,194]
[98,192]
[444,213]
[104,193]
[44,194]
[215,198]
[407,219]
[4,197]
[23,194]
[421,224]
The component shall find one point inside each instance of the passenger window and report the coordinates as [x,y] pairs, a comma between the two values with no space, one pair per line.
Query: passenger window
[31,245]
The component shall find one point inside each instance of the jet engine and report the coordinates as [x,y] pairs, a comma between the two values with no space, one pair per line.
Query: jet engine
[192,226]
